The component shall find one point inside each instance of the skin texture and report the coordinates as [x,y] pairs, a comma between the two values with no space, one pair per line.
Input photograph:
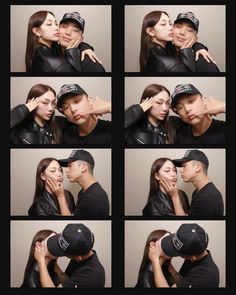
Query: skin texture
[48,31]
[44,107]
[159,107]
[162,32]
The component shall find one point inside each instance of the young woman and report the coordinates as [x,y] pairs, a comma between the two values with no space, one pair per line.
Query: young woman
[159,203]
[42,51]
[45,202]
[148,122]
[156,53]
[34,121]
[31,276]
[146,276]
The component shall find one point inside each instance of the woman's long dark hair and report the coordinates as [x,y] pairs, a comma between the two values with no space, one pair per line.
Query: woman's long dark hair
[153,237]
[35,21]
[38,237]
[36,91]
[150,20]
[40,184]
[150,91]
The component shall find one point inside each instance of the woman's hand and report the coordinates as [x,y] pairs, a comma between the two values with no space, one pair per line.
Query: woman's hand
[90,53]
[154,252]
[55,188]
[40,251]
[169,187]
[205,54]
[75,43]
[189,44]
[98,107]
[32,103]
[147,103]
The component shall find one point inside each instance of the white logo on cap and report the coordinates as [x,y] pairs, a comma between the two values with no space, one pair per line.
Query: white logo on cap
[187,153]
[73,153]
[182,88]
[177,243]
[63,242]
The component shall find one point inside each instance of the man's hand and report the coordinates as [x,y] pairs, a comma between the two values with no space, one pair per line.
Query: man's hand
[170,188]
[98,107]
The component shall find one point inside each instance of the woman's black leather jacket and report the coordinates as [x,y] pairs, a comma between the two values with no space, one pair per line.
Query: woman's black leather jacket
[162,59]
[47,205]
[161,204]
[25,131]
[32,279]
[146,277]
[48,59]
[138,130]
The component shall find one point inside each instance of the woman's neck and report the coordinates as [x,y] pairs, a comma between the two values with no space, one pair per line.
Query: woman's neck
[48,43]
[160,42]
[154,121]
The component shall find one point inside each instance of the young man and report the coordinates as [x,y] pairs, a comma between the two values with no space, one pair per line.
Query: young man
[196,127]
[206,199]
[71,29]
[198,270]
[84,127]
[84,269]
[92,199]
[185,28]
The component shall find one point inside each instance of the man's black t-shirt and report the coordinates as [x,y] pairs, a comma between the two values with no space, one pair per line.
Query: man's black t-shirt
[215,134]
[206,202]
[203,273]
[88,273]
[101,134]
[92,202]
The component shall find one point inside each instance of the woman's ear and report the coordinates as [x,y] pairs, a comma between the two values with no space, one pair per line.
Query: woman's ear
[37,244]
[43,177]
[36,31]
[150,31]
[152,244]
[157,177]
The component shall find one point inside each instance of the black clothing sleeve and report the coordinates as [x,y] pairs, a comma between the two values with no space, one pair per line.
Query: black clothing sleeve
[133,114]
[166,59]
[48,60]
[70,201]
[187,56]
[73,57]
[84,46]
[18,114]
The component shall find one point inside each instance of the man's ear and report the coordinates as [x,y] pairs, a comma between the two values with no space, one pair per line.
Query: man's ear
[36,31]
[84,167]
[150,31]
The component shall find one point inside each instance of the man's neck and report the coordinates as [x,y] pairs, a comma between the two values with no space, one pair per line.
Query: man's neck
[201,181]
[86,181]
[202,126]
[88,126]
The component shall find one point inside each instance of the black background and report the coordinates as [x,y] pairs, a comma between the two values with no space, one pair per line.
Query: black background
[117,217]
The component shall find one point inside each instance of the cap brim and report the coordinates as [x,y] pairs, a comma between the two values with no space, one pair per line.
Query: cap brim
[54,248]
[64,162]
[167,246]
[178,162]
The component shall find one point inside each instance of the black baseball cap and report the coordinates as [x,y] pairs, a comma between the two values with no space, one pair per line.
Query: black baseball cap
[67,89]
[194,155]
[76,155]
[74,16]
[183,89]
[189,17]
[76,239]
[190,239]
